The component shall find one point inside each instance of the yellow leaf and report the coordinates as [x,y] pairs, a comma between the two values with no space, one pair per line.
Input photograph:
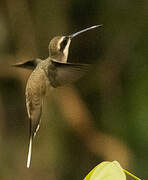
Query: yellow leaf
[107,171]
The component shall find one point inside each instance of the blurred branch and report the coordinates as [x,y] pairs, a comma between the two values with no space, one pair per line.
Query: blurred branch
[80,119]
[22,28]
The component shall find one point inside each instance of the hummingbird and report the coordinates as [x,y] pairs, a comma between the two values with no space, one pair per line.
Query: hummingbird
[52,72]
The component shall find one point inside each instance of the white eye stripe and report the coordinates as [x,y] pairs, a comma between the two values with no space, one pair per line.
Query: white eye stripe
[58,45]
[67,48]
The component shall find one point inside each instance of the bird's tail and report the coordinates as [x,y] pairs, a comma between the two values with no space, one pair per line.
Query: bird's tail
[29,152]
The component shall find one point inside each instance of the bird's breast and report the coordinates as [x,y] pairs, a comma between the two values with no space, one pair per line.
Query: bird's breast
[36,84]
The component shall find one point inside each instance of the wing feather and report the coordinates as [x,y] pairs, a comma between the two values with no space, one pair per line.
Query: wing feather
[60,73]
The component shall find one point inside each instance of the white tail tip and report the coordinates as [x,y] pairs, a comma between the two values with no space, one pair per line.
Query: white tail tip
[29,153]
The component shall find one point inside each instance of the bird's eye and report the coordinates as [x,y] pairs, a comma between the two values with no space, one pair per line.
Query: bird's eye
[63,44]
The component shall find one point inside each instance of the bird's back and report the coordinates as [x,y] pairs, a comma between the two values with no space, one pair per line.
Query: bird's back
[35,91]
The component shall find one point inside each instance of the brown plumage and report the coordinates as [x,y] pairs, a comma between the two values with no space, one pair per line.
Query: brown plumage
[51,72]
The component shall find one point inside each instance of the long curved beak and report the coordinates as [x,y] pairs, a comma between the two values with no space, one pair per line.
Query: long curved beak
[84,30]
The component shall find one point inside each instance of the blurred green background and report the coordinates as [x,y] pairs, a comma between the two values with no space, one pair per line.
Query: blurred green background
[104,116]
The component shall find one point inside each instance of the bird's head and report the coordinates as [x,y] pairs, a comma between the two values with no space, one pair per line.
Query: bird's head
[59,48]
[59,45]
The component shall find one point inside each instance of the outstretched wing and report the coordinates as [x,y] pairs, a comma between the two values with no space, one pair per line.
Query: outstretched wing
[30,64]
[60,73]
